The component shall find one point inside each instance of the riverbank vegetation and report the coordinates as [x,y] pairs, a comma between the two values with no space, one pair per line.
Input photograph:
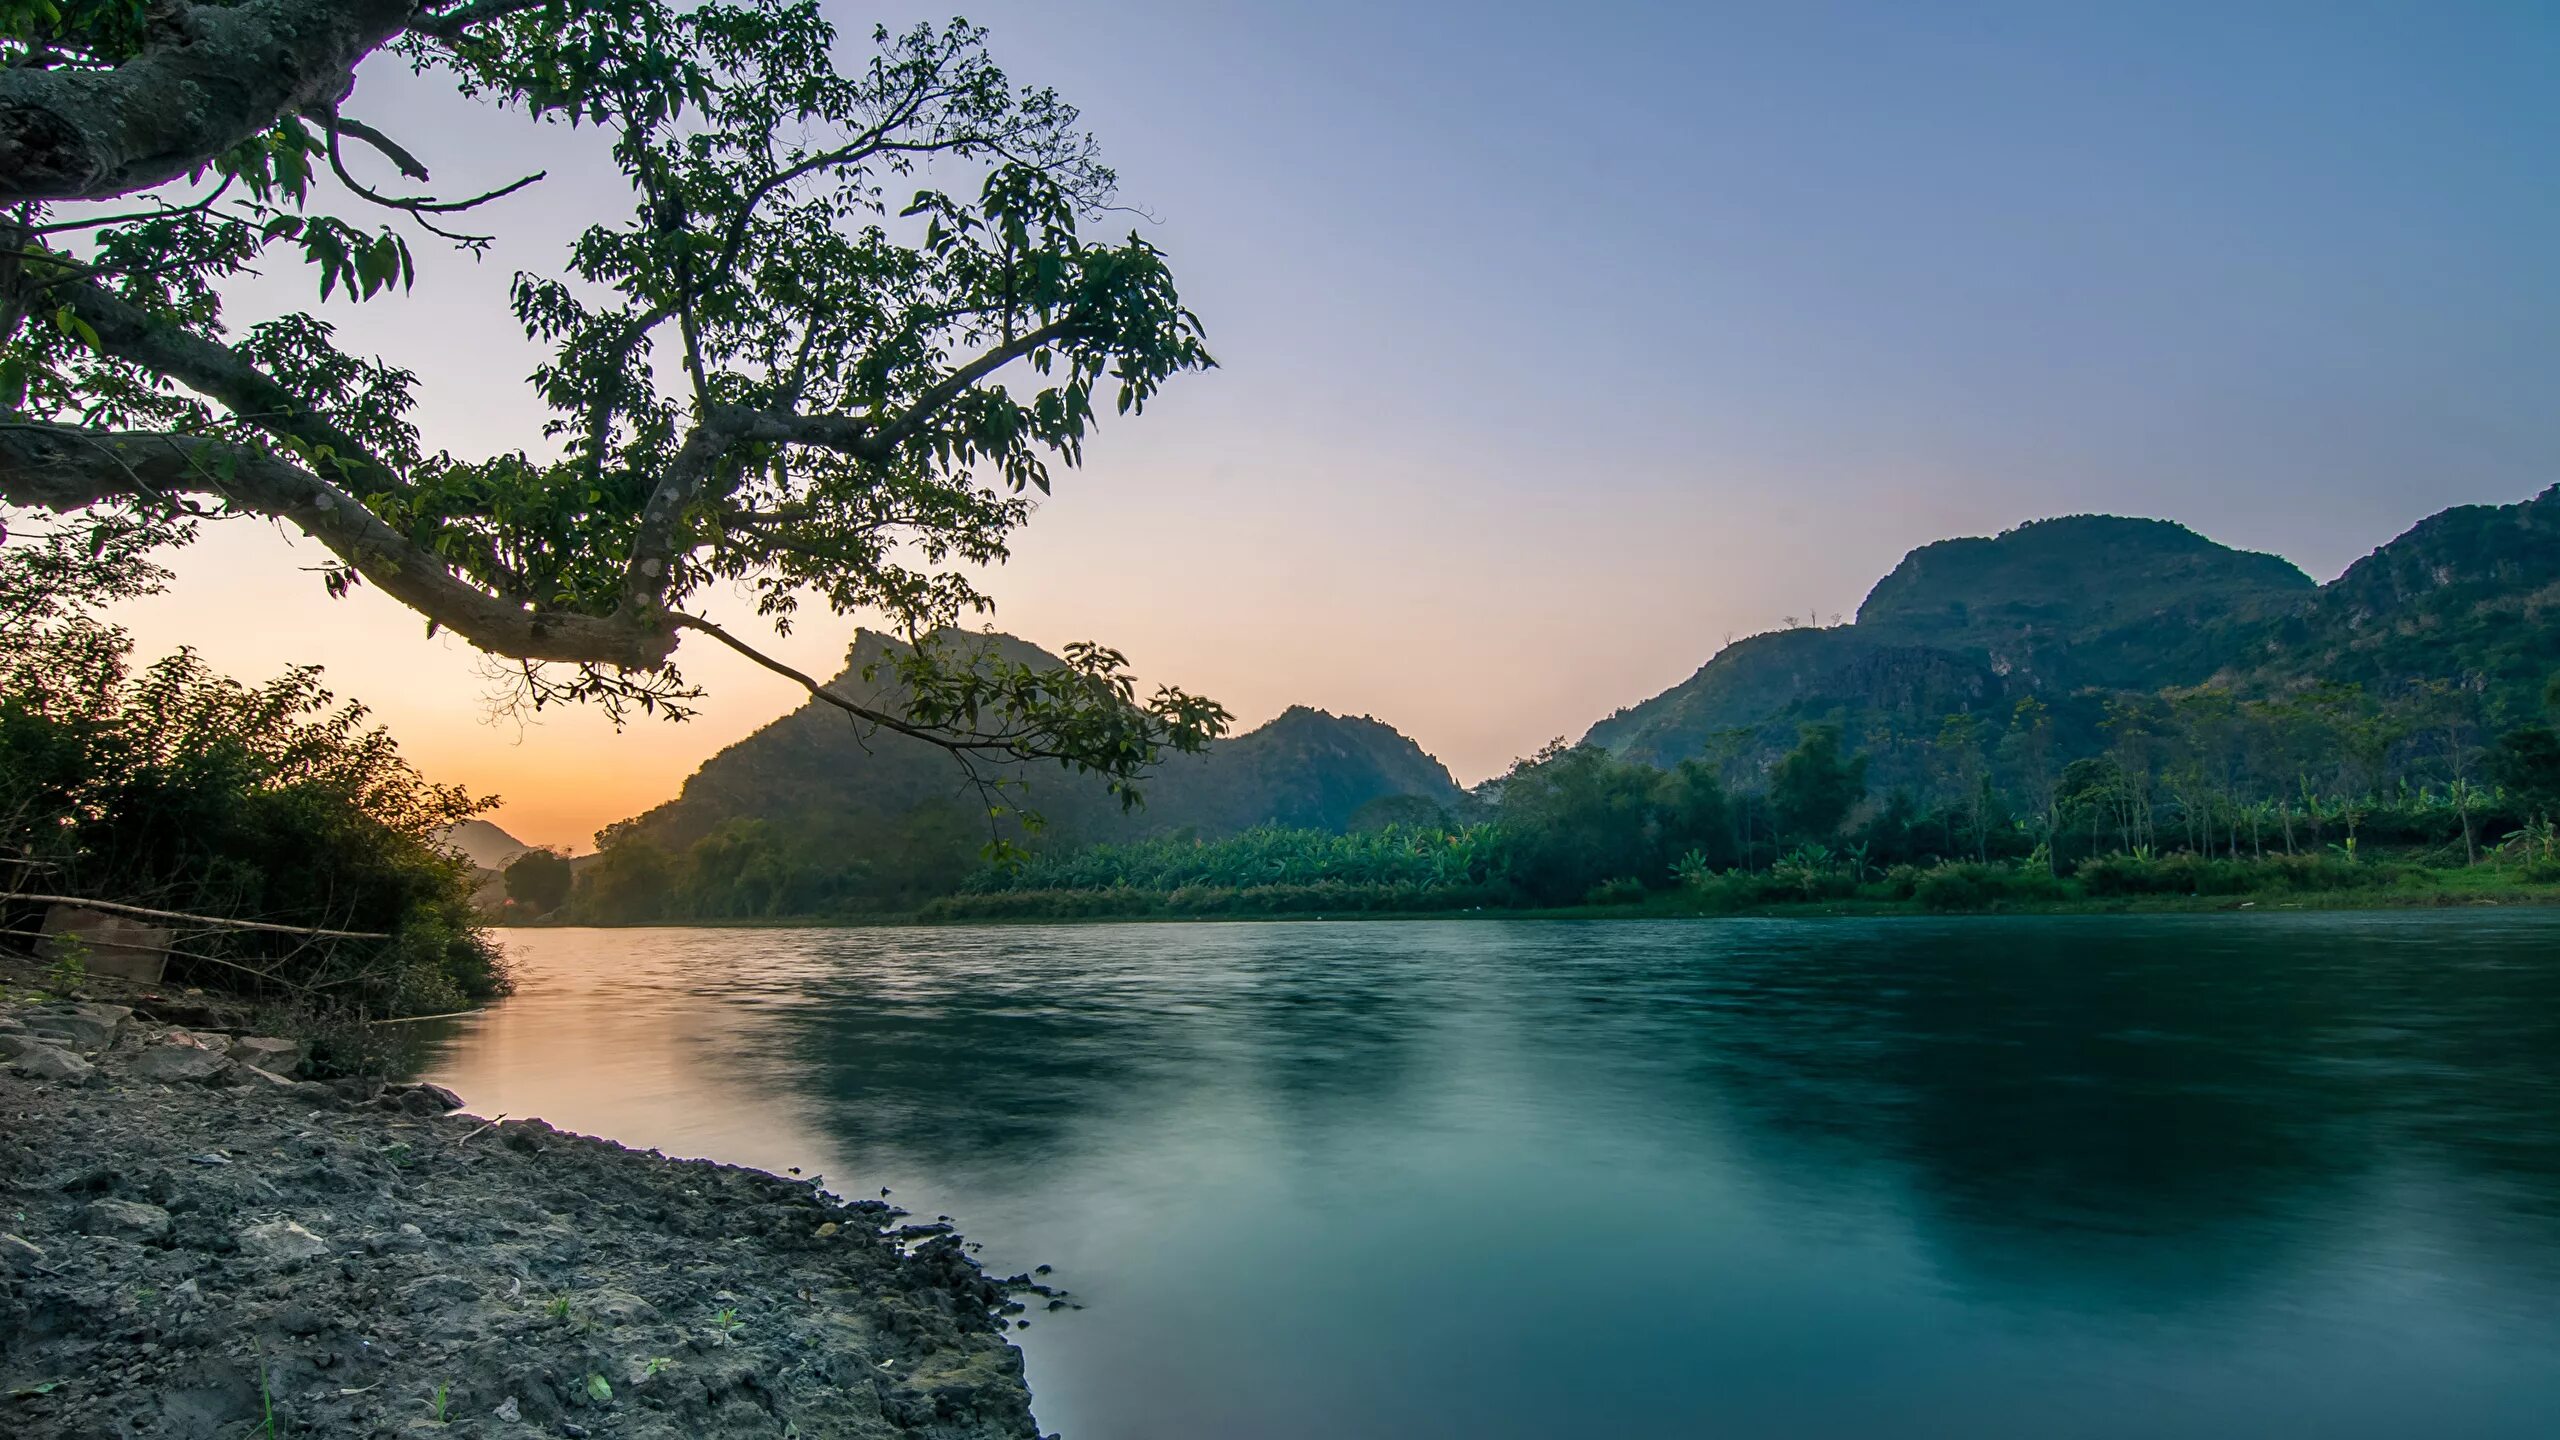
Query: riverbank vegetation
[176,789]
[2199,796]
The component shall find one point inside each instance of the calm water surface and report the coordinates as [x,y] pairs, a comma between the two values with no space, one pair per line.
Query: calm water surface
[2192,1176]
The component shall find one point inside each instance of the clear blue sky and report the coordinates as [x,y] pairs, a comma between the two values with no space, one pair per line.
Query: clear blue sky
[1563,343]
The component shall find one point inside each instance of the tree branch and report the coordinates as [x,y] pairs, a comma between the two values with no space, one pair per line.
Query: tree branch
[451,25]
[64,468]
[410,166]
[218,372]
[94,134]
[965,743]
[651,566]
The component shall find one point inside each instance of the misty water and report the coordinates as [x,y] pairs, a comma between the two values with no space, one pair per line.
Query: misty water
[2197,1176]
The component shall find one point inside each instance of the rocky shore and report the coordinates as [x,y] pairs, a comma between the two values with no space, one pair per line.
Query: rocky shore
[194,1242]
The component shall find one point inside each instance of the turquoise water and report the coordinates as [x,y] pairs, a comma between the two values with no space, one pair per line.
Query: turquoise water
[2186,1176]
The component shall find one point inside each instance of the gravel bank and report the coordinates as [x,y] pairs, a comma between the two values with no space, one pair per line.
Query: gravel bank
[192,1246]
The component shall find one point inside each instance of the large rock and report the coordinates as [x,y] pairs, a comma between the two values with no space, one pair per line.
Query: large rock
[265,1052]
[126,1220]
[14,1043]
[425,1098]
[180,1064]
[44,1062]
[82,1028]
[280,1240]
[18,1256]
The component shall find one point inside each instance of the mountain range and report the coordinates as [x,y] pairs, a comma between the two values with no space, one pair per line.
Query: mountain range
[2069,611]
[2077,610]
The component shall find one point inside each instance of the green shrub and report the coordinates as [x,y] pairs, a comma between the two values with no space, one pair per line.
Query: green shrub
[2188,874]
[1739,890]
[1622,890]
[182,790]
[1965,887]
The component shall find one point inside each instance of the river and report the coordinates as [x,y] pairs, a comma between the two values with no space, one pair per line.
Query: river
[2207,1176]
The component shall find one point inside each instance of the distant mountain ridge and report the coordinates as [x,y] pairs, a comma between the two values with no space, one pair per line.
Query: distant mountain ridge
[816,772]
[2074,612]
[482,843]
[2070,610]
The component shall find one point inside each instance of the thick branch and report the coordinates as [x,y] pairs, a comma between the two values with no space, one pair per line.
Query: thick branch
[218,372]
[62,468]
[194,92]
[454,23]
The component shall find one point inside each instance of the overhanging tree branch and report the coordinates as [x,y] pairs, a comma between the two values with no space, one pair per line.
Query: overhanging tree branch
[842,370]
[65,468]
[71,134]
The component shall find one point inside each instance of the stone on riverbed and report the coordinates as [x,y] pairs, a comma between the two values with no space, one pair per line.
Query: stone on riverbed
[423,1098]
[46,1063]
[126,1220]
[80,1027]
[179,1064]
[265,1052]
[19,1256]
[280,1240]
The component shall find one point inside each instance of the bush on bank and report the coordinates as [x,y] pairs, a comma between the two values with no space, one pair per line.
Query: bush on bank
[179,789]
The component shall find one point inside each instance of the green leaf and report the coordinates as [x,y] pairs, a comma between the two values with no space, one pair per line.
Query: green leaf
[598,1389]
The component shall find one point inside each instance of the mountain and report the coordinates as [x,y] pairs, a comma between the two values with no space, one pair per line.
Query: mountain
[2469,595]
[2086,599]
[483,844]
[906,809]
[2075,610]
[2051,609]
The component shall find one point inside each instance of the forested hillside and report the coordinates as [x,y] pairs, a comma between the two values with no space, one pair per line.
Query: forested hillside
[2070,690]
[818,813]
[2081,612]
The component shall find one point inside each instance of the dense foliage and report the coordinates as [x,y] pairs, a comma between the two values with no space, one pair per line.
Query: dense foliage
[538,881]
[177,789]
[853,316]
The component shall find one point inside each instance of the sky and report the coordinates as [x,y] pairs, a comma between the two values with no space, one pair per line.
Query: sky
[1561,345]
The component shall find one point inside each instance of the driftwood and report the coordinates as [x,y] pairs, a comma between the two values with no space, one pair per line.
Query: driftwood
[173,952]
[215,921]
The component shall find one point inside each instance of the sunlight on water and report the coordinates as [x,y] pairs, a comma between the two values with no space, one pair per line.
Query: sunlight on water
[2196,1176]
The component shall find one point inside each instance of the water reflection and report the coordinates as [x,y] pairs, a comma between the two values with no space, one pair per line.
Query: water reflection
[2208,1176]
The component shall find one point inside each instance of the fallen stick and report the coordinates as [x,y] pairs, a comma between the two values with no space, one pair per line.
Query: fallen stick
[271,928]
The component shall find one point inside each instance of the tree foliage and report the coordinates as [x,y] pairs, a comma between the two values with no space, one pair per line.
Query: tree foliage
[1813,789]
[853,319]
[538,880]
[179,789]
